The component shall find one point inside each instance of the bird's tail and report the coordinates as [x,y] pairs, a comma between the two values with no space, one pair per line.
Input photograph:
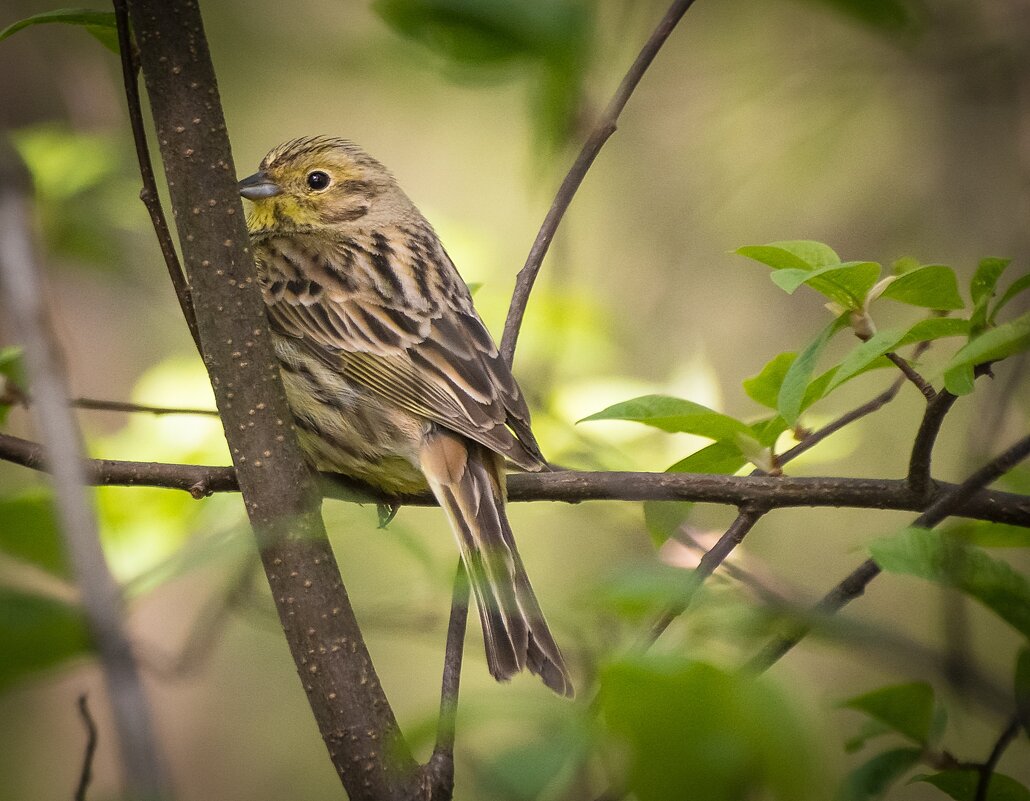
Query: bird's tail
[467,480]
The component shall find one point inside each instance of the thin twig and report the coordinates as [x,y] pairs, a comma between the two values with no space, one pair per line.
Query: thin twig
[714,557]
[605,127]
[573,487]
[148,194]
[987,769]
[910,373]
[919,480]
[96,405]
[86,775]
[853,586]
[440,767]
[99,592]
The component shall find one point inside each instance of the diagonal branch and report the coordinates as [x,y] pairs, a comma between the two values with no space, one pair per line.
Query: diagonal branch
[99,592]
[853,586]
[605,127]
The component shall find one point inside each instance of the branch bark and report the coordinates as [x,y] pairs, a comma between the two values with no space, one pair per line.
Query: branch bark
[280,493]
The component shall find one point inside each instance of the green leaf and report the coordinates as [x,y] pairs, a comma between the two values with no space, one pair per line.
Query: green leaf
[100,24]
[1021,284]
[872,779]
[798,254]
[675,416]
[948,561]
[890,16]
[37,634]
[764,388]
[544,765]
[933,287]
[992,345]
[906,708]
[871,728]
[961,785]
[663,518]
[795,382]
[720,458]
[12,378]
[982,288]
[29,531]
[688,724]
[888,340]
[768,431]
[985,279]
[847,283]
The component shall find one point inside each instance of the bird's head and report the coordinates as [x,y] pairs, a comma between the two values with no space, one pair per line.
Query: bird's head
[320,183]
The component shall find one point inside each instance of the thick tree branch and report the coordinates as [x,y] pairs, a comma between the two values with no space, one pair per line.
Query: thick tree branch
[280,494]
[946,504]
[148,194]
[605,127]
[99,593]
[573,487]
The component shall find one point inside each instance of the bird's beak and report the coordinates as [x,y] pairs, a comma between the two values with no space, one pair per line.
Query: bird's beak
[259,186]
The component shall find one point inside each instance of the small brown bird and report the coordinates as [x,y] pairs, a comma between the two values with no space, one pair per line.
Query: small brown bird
[390,373]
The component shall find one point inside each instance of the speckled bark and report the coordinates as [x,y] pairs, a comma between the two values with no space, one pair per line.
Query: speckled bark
[281,495]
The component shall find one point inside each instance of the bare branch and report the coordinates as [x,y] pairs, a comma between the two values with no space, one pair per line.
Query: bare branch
[148,194]
[1005,739]
[910,373]
[605,127]
[947,503]
[86,775]
[99,592]
[573,487]
[922,449]
[93,404]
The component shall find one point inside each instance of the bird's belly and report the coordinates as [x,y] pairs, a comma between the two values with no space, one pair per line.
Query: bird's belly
[344,428]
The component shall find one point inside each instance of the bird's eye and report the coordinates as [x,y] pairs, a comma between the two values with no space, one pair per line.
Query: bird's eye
[318,180]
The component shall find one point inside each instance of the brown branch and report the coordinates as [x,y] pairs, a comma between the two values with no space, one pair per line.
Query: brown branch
[919,480]
[99,593]
[280,494]
[573,487]
[86,774]
[983,784]
[946,504]
[440,768]
[93,404]
[605,127]
[912,375]
[148,194]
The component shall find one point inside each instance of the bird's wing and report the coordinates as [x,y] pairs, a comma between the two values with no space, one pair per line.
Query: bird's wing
[433,359]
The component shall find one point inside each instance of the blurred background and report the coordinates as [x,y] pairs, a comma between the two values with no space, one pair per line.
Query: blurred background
[886,130]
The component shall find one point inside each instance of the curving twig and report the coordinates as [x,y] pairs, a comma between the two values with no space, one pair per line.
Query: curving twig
[86,774]
[605,127]
[1008,734]
[148,194]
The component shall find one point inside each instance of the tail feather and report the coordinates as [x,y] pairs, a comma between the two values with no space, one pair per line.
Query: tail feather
[466,478]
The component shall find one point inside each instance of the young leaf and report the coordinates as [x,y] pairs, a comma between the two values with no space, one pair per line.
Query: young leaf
[933,287]
[992,345]
[674,415]
[906,708]
[871,780]
[797,254]
[949,562]
[847,283]
[720,458]
[764,388]
[100,24]
[37,634]
[982,288]
[961,785]
[1021,284]
[990,535]
[891,339]
[871,728]
[795,382]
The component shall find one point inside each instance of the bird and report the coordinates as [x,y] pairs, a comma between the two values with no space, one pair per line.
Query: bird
[390,373]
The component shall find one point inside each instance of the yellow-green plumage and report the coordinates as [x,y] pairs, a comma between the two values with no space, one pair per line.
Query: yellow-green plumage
[391,375]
